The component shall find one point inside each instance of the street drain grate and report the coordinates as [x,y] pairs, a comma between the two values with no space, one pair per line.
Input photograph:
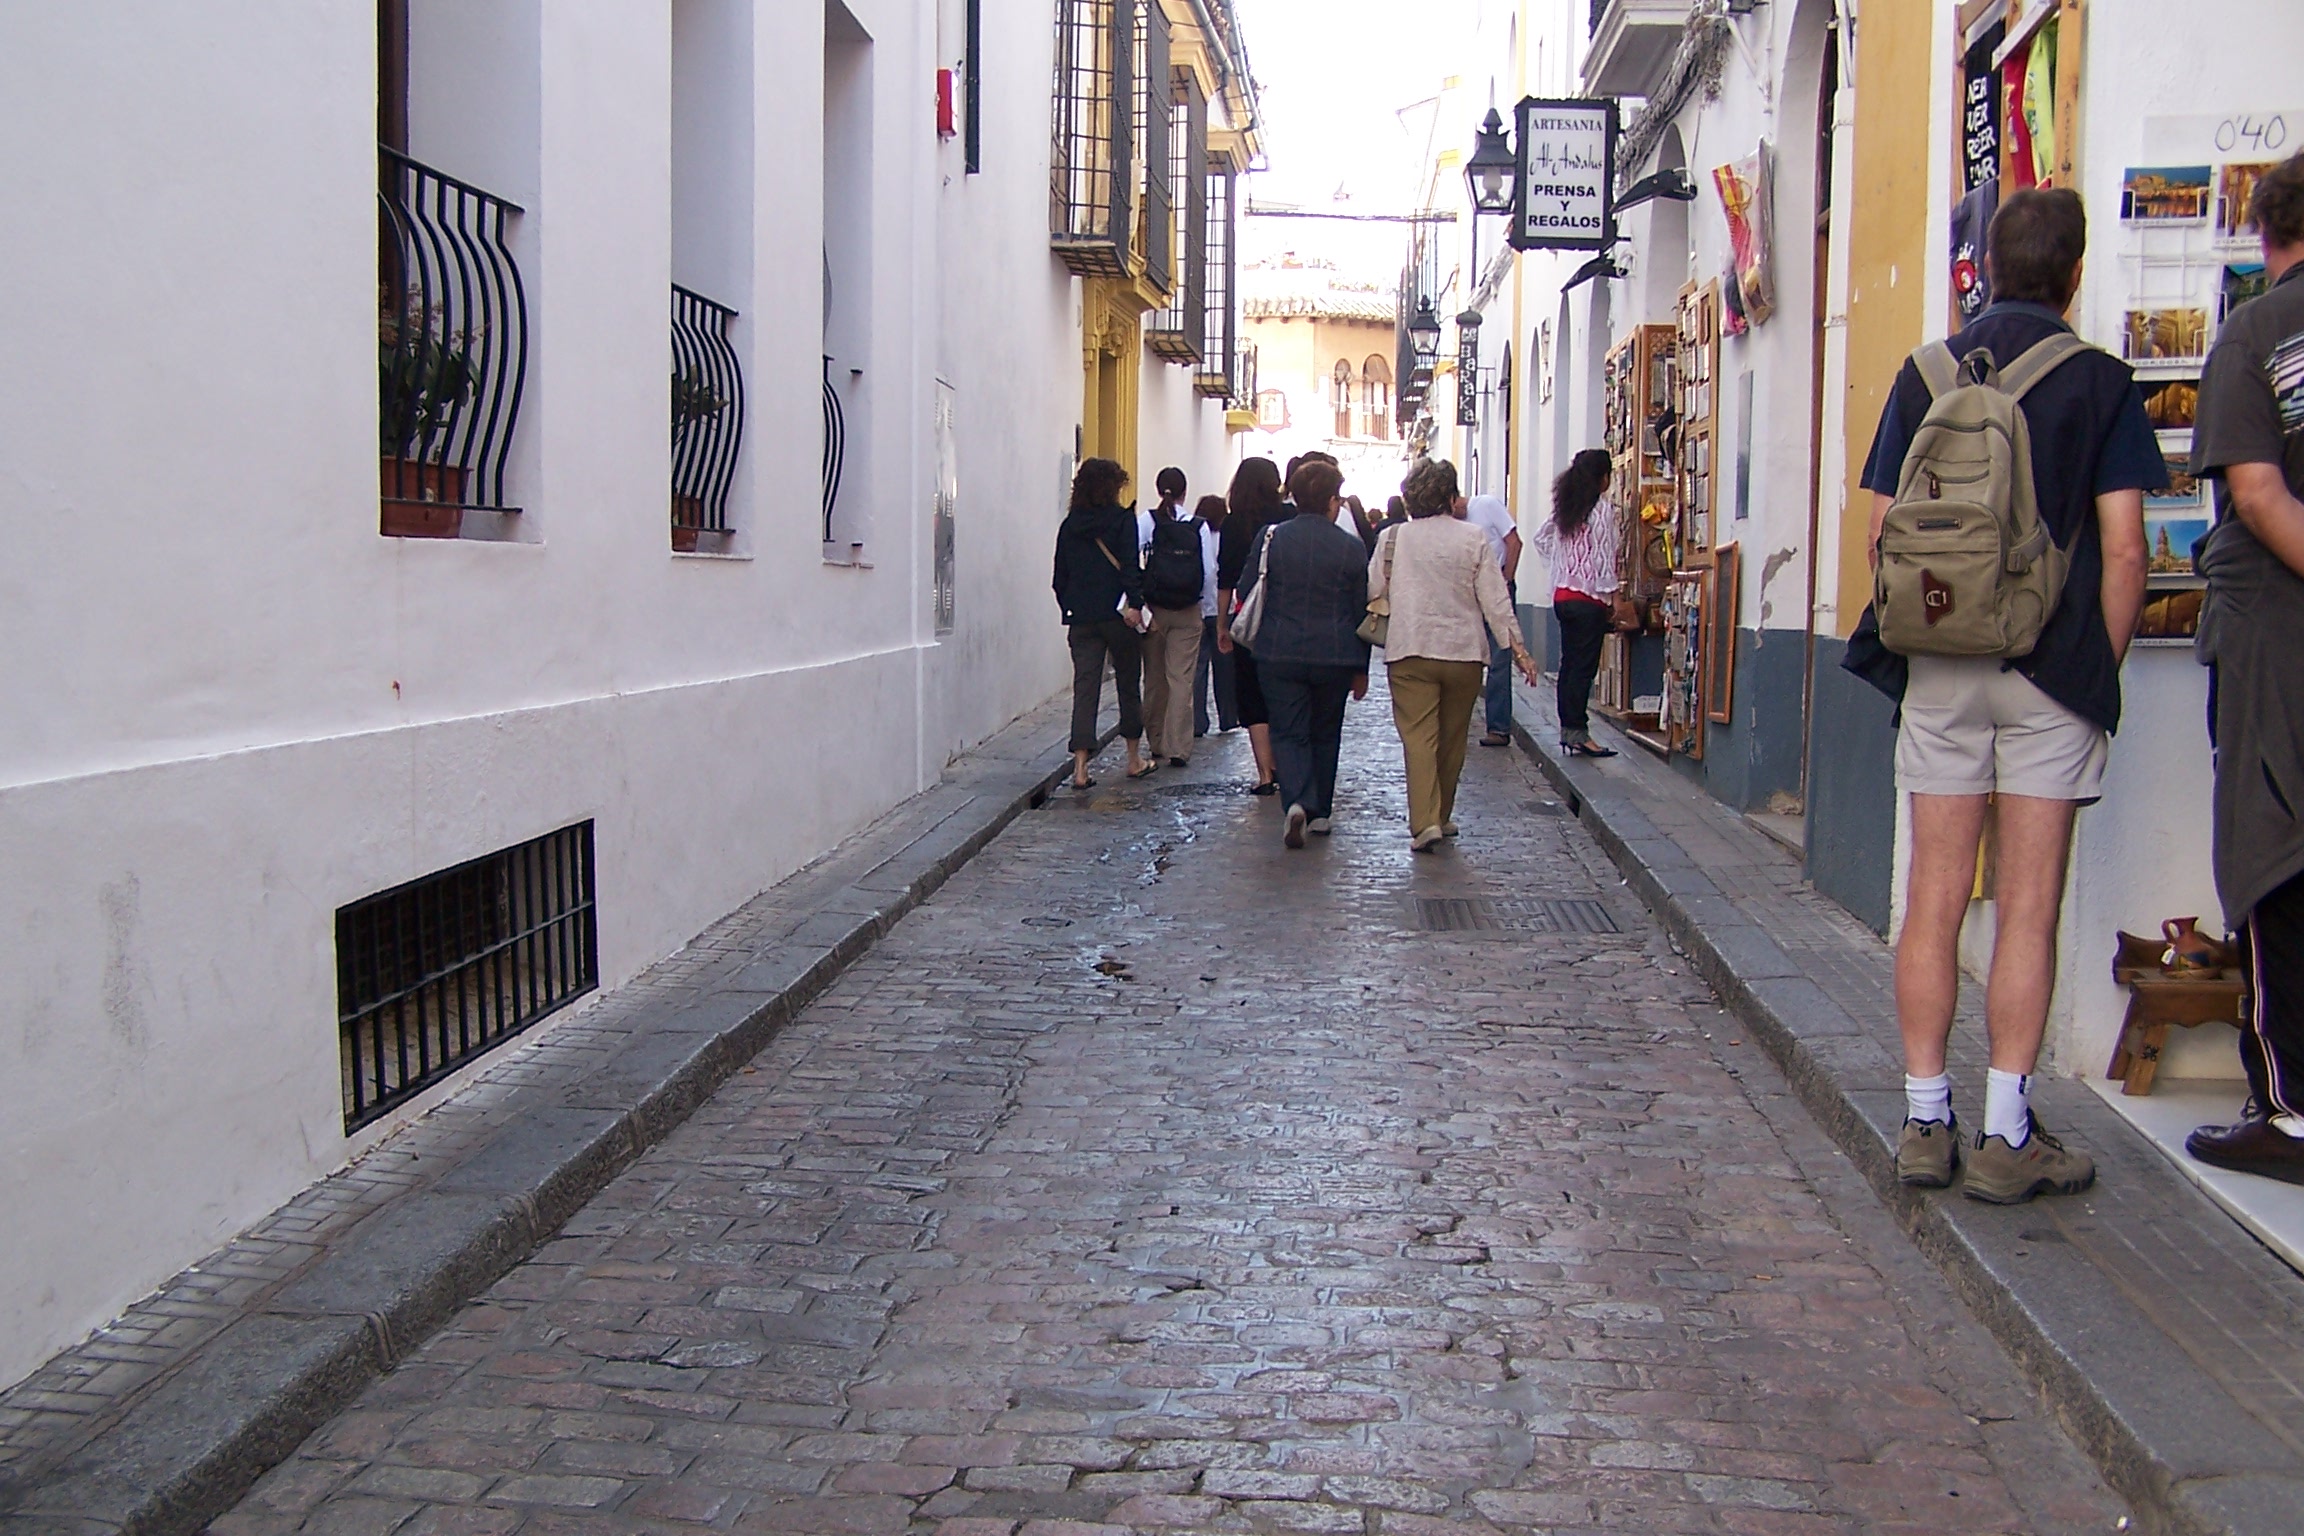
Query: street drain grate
[1047,922]
[1201,791]
[1506,915]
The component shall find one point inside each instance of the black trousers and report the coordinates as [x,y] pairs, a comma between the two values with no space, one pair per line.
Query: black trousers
[1583,625]
[1215,676]
[2272,1044]
[1307,709]
[1091,645]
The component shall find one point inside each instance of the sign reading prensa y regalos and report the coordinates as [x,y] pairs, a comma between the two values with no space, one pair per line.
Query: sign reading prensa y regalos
[1567,157]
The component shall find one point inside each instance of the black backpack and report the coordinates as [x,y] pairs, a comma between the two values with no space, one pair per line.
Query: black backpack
[1173,574]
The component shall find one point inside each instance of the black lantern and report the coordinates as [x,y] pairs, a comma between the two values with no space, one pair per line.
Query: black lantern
[1490,171]
[1424,337]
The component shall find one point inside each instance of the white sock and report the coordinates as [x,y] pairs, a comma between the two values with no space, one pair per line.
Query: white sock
[2008,1106]
[1928,1098]
[2289,1125]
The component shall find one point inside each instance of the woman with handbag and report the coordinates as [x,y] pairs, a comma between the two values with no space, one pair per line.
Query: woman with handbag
[1253,506]
[1436,594]
[1100,587]
[1580,545]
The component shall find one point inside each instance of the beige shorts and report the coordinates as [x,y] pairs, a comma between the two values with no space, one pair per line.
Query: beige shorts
[1973,726]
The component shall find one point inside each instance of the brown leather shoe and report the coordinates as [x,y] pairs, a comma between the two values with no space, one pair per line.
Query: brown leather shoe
[2254,1145]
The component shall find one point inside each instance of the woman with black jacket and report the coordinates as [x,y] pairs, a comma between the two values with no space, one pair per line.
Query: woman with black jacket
[1255,505]
[1100,587]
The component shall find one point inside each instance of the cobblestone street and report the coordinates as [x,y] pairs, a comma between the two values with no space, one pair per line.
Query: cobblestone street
[1153,1178]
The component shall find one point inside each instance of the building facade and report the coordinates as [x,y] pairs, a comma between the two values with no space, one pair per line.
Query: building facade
[369,718]
[1323,343]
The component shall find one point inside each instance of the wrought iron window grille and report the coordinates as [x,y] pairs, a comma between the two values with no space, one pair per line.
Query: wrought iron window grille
[1179,330]
[1220,325]
[835,447]
[707,415]
[1092,165]
[452,347]
[436,973]
[1155,120]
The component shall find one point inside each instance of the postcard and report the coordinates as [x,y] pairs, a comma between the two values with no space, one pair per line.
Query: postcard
[2243,280]
[2238,185]
[2164,193]
[2171,405]
[2165,333]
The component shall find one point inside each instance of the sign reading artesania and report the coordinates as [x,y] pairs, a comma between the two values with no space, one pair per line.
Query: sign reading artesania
[1567,153]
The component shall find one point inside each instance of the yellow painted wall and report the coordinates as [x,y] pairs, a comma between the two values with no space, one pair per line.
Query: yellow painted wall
[1298,355]
[1887,250]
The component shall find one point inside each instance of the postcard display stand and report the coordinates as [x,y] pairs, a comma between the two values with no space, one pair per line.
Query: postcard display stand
[1638,381]
[2187,260]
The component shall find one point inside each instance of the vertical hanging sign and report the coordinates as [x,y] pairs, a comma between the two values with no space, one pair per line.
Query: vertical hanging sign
[1567,174]
[1467,373]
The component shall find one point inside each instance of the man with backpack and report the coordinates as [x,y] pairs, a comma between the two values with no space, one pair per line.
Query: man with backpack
[2007,475]
[1174,576]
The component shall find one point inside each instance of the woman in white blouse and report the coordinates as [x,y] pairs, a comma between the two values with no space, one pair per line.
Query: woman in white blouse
[1580,544]
[1447,597]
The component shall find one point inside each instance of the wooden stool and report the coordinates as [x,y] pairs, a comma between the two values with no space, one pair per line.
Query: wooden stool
[2158,1001]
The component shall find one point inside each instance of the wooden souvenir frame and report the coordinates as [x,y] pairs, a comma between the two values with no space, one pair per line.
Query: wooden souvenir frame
[1696,398]
[1720,636]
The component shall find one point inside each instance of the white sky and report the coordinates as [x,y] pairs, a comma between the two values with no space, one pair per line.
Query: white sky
[1341,82]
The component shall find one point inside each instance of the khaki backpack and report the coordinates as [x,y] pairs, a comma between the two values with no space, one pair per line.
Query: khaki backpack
[1966,566]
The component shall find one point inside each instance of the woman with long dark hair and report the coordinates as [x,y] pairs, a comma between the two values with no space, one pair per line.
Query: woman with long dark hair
[1582,544]
[1100,587]
[1254,505]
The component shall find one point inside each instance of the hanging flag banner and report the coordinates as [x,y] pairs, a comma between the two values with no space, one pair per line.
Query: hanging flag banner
[1567,160]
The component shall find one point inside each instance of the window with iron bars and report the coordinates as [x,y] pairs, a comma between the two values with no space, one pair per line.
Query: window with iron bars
[436,973]
[1091,166]
[1220,326]
[1155,117]
[1178,330]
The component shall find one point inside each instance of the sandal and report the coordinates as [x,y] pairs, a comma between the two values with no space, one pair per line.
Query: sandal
[1083,783]
[1268,787]
[1143,770]
[1586,749]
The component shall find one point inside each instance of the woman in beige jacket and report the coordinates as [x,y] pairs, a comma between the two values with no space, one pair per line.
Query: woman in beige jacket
[1447,597]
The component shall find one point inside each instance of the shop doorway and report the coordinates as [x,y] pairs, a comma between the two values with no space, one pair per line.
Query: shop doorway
[1814,76]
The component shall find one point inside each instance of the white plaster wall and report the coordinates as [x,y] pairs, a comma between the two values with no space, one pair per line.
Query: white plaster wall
[233,707]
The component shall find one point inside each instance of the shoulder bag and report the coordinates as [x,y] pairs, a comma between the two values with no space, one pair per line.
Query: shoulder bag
[1377,627]
[1250,618]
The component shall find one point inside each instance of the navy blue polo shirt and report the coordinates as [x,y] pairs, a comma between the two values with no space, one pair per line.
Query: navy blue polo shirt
[2090,437]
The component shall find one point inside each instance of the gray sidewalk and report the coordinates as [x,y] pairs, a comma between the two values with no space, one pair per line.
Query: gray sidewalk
[2166,1338]
[159,1422]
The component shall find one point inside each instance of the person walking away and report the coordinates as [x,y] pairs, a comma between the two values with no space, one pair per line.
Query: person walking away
[2026,723]
[1582,546]
[1362,526]
[1253,506]
[1491,517]
[1174,575]
[1448,604]
[2249,435]
[1309,655]
[1101,591]
[1169,484]
[1215,673]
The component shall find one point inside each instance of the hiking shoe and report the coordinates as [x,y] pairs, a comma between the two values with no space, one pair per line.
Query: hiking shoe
[1294,836]
[1928,1153]
[2007,1175]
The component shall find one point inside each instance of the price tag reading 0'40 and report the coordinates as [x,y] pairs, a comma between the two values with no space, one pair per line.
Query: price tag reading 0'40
[1567,156]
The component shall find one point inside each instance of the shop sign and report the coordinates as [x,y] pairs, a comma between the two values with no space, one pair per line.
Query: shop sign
[1567,159]
[1467,375]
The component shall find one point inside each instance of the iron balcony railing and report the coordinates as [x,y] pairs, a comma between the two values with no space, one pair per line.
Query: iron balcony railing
[835,448]
[707,415]
[1179,329]
[1092,168]
[452,346]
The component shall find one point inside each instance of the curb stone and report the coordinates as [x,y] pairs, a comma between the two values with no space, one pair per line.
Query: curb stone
[2167,1435]
[191,1442]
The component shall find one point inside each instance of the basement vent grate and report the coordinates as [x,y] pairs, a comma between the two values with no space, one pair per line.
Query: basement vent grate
[1505,915]
[433,974]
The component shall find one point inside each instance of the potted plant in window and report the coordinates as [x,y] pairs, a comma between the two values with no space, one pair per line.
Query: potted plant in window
[425,373]
[693,401]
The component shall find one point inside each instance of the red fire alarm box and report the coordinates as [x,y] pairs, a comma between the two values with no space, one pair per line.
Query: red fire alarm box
[947,123]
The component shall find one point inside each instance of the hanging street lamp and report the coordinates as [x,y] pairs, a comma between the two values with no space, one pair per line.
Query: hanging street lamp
[1491,170]
[1424,338]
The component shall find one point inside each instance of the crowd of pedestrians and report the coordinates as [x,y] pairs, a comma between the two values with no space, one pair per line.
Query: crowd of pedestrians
[2007,588]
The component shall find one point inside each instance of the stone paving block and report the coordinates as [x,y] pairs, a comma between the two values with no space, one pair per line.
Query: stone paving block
[1151,1178]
